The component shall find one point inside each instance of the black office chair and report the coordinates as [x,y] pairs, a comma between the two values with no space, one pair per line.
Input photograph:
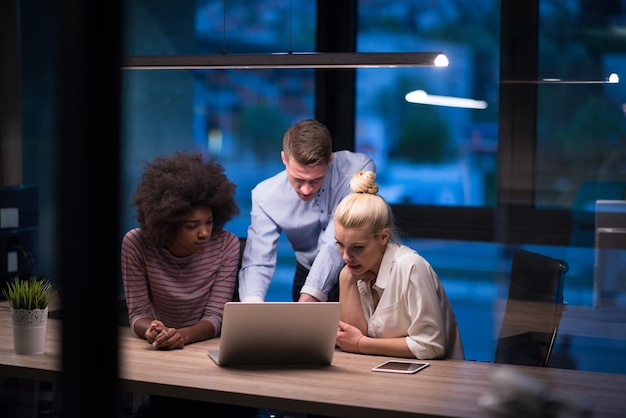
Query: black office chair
[528,331]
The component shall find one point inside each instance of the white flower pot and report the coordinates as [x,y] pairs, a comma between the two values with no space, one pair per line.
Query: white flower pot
[29,330]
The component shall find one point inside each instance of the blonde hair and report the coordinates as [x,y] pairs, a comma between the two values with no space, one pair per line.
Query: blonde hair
[365,210]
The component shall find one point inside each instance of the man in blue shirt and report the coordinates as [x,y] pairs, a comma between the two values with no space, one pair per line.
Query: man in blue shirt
[300,202]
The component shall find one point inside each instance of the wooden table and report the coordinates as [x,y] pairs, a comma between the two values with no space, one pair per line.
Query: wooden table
[346,388]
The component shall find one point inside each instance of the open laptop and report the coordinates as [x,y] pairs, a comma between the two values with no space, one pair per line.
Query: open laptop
[277,333]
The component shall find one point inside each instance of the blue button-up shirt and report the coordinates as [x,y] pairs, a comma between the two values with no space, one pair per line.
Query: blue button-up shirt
[276,208]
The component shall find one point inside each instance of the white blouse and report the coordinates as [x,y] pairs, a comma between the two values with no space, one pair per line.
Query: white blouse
[413,303]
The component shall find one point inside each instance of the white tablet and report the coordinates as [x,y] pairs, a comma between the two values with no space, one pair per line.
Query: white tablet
[399,366]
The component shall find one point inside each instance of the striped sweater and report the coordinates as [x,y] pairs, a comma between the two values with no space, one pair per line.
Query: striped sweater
[179,291]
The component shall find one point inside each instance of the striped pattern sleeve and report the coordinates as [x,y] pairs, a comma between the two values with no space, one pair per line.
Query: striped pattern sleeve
[194,289]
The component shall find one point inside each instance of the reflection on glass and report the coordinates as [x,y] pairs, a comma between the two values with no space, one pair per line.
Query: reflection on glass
[581,128]
[431,155]
[426,155]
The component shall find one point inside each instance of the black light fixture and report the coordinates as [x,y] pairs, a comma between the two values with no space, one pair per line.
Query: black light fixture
[612,78]
[287,60]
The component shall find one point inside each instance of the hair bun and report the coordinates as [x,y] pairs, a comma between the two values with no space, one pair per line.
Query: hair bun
[364,182]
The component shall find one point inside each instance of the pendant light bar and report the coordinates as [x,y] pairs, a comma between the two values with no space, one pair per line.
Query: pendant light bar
[613,78]
[287,60]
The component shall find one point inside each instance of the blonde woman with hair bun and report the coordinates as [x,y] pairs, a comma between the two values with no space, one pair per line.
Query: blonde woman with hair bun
[392,301]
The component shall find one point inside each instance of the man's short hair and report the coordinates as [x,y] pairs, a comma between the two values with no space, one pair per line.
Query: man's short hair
[308,142]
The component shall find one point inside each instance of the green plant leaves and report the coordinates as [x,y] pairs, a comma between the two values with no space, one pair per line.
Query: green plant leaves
[31,293]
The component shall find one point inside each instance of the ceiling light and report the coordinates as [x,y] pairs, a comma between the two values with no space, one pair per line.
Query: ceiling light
[287,60]
[613,78]
[421,97]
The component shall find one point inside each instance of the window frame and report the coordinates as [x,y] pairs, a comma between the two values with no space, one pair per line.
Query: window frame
[514,220]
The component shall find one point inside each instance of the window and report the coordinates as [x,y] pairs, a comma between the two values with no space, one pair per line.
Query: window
[468,189]
[236,116]
[429,154]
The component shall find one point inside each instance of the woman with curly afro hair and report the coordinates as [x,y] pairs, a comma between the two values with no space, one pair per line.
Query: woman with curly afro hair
[180,265]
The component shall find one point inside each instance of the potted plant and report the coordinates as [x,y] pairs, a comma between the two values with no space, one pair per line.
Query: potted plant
[29,298]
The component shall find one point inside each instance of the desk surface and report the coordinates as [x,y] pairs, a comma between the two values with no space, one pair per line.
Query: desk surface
[346,388]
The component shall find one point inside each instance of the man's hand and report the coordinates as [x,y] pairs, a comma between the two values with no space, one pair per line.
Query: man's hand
[307,298]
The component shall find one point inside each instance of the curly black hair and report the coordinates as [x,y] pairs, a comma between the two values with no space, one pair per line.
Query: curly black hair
[172,187]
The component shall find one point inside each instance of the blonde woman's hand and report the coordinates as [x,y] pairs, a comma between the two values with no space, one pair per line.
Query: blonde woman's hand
[368,276]
[346,276]
[348,337]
